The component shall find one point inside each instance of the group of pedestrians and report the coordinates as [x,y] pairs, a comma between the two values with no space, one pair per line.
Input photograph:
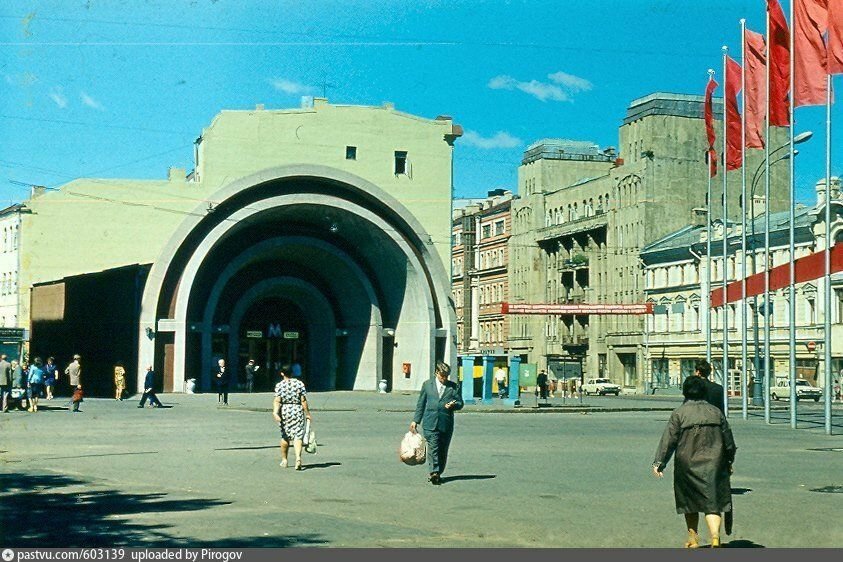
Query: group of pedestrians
[28,383]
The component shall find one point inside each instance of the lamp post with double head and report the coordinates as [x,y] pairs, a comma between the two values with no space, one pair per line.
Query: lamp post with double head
[757,388]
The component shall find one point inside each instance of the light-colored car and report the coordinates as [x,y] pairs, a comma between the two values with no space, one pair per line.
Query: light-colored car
[781,390]
[601,387]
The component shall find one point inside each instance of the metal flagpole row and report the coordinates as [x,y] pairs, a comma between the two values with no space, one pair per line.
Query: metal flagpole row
[766,303]
[792,231]
[828,243]
[725,270]
[743,326]
[707,291]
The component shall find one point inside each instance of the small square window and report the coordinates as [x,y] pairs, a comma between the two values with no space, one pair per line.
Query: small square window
[351,153]
[400,162]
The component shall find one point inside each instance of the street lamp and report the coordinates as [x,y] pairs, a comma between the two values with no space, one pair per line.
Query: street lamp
[757,388]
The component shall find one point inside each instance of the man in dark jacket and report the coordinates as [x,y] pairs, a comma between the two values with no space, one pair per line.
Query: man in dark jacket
[438,400]
[713,391]
[220,377]
[149,390]
[5,382]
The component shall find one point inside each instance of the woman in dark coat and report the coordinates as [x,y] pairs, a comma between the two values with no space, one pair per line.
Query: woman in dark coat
[700,436]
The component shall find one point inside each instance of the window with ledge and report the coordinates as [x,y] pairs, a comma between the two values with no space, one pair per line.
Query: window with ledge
[351,153]
[400,162]
[499,227]
[486,231]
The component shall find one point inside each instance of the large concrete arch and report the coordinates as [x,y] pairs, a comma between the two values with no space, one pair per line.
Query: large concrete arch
[372,341]
[430,284]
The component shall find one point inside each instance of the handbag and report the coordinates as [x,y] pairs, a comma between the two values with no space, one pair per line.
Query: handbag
[309,440]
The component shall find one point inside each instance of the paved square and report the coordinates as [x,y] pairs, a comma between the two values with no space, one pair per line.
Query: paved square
[197,474]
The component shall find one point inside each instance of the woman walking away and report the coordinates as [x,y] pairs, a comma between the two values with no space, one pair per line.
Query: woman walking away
[51,375]
[290,410]
[700,436]
[119,380]
[36,384]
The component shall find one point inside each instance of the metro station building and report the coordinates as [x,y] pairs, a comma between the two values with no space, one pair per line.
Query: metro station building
[319,235]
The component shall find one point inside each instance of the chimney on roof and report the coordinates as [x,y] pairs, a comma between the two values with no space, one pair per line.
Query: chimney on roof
[176,174]
[37,191]
[699,216]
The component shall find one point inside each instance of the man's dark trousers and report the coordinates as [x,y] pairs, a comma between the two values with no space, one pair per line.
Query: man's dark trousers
[153,399]
[438,443]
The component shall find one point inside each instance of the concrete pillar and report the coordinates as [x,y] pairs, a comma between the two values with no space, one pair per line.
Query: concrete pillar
[514,375]
[467,362]
[488,376]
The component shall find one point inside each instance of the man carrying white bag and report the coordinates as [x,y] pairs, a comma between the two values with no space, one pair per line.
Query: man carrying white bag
[413,449]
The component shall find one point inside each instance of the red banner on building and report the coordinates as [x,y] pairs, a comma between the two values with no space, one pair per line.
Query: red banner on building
[806,268]
[584,309]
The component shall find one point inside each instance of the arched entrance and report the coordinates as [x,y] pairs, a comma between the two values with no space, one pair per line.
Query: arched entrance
[300,263]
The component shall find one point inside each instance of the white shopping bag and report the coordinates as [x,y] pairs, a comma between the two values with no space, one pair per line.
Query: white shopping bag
[413,449]
[309,440]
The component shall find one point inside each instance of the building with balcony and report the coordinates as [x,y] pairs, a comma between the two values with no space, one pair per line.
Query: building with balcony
[581,219]
[480,281]
[676,284]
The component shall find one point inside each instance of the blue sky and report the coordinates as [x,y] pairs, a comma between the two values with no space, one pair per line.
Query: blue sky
[121,88]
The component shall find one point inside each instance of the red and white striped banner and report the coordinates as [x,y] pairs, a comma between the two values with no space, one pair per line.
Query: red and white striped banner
[605,309]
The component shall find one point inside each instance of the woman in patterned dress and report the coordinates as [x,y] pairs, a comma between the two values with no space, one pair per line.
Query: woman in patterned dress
[290,410]
[119,381]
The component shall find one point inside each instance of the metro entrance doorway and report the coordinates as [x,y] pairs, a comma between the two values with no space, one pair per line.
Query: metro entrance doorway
[273,332]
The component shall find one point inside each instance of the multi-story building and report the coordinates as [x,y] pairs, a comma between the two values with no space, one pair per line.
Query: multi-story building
[583,215]
[11,332]
[480,282]
[677,286]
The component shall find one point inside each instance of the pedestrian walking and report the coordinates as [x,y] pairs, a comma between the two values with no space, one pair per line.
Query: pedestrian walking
[290,410]
[500,378]
[19,382]
[119,380]
[220,378]
[713,391]
[438,400]
[35,386]
[572,387]
[541,382]
[698,435]
[5,382]
[552,385]
[251,368]
[836,390]
[51,376]
[149,390]
[74,373]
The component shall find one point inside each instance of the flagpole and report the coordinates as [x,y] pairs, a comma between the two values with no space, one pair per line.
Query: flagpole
[766,382]
[725,366]
[792,231]
[743,223]
[827,287]
[708,216]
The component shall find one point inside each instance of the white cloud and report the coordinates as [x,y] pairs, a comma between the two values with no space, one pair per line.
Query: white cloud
[25,79]
[291,87]
[90,102]
[57,96]
[563,86]
[571,82]
[501,139]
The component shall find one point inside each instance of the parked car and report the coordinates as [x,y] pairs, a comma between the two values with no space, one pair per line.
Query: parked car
[803,390]
[601,387]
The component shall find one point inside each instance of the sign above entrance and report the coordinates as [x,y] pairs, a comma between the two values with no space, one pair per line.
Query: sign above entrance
[507,308]
[15,334]
[254,334]
[291,335]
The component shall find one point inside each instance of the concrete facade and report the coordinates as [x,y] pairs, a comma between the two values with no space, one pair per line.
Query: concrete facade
[676,284]
[337,218]
[583,215]
[10,219]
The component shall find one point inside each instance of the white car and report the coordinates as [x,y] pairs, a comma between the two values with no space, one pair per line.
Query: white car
[601,387]
[803,390]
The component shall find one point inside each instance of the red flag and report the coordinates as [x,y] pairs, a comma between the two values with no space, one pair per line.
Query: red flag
[779,43]
[734,150]
[754,63]
[835,37]
[711,154]
[810,62]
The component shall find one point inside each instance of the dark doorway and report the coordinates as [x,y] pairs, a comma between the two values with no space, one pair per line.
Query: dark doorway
[274,333]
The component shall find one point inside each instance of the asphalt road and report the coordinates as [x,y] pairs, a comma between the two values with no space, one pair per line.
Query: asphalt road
[196,474]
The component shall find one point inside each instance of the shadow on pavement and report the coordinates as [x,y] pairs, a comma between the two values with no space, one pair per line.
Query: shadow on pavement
[320,465]
[248,448]
[742,543]
[44,510]
[446,479]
